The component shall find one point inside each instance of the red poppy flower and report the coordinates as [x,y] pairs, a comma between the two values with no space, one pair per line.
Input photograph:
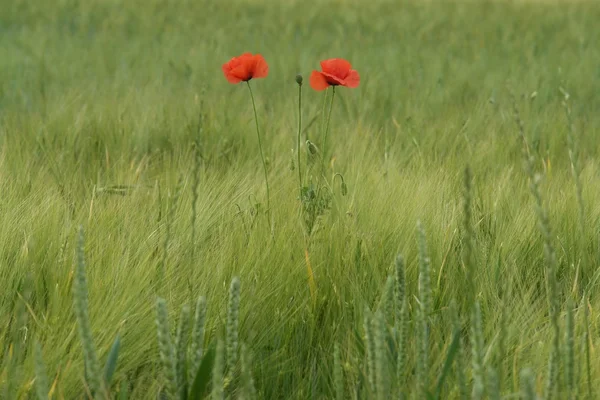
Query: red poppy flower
[245,67]
[335,72]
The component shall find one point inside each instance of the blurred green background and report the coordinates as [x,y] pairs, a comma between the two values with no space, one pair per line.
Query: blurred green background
[99,94]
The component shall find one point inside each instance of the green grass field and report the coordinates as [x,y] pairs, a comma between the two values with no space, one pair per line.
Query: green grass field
[112,112]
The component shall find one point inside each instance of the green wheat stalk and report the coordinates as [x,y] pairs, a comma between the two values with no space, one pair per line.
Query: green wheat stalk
[477,352]
[338,373]
[197,345]
[493,384]
[218,370]
[528,385]
[41,377]
[248,390]
[370,349]
[233,312]
[586,347]
[166,347]
[14,356]
[169,226]
[570,351]
[551,288]
[181,347]
[501,348]
[573,157]
[459,367]
[401,318]
[381,359]
[195,189]
[552,292]
[400,288]
[80,305]
[389,301]
[424,312]
[468,237]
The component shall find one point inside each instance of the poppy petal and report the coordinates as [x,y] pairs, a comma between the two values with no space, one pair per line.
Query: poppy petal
[352,80]
[242,71]
[232,79]
[318,81]
[261,68]
[245,67]
[337,67]
[333,80]
[227,72]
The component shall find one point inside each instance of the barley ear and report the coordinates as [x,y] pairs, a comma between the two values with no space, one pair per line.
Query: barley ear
[389,302]
[586,347]
[493,388]
[218,370]
[197,345]
[423,313]
[338,373]
[370,350]
[552,292]
[166,348]
[528,385]
[41,378]
[459,365]
[248,390]
[477,352]
[401,318]
[381,357]
[233,311]
[400,286]
[181,346]
[80,304]
[570,351]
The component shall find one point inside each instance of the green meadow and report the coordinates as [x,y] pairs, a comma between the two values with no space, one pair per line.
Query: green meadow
[460,258]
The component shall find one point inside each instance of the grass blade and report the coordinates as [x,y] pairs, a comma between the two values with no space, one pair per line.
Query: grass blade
[111,361]
[203,375]
[450,355]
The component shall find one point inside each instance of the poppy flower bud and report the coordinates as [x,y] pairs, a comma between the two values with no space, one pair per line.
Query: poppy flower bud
[299,79]
[344,188]
[312,149]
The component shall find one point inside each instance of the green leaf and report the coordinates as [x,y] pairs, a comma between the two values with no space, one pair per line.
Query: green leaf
[203,376]
[452,351]
[111,361]
[124,391]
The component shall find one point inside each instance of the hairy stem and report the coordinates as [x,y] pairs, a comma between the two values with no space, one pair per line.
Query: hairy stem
[298,138]
[262,156]
[326,132]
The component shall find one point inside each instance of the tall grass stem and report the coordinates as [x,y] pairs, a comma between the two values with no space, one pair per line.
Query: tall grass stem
[262,155]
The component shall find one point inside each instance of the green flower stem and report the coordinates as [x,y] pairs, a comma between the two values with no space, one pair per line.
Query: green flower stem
[298,138]
[326,132]
[262,156]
